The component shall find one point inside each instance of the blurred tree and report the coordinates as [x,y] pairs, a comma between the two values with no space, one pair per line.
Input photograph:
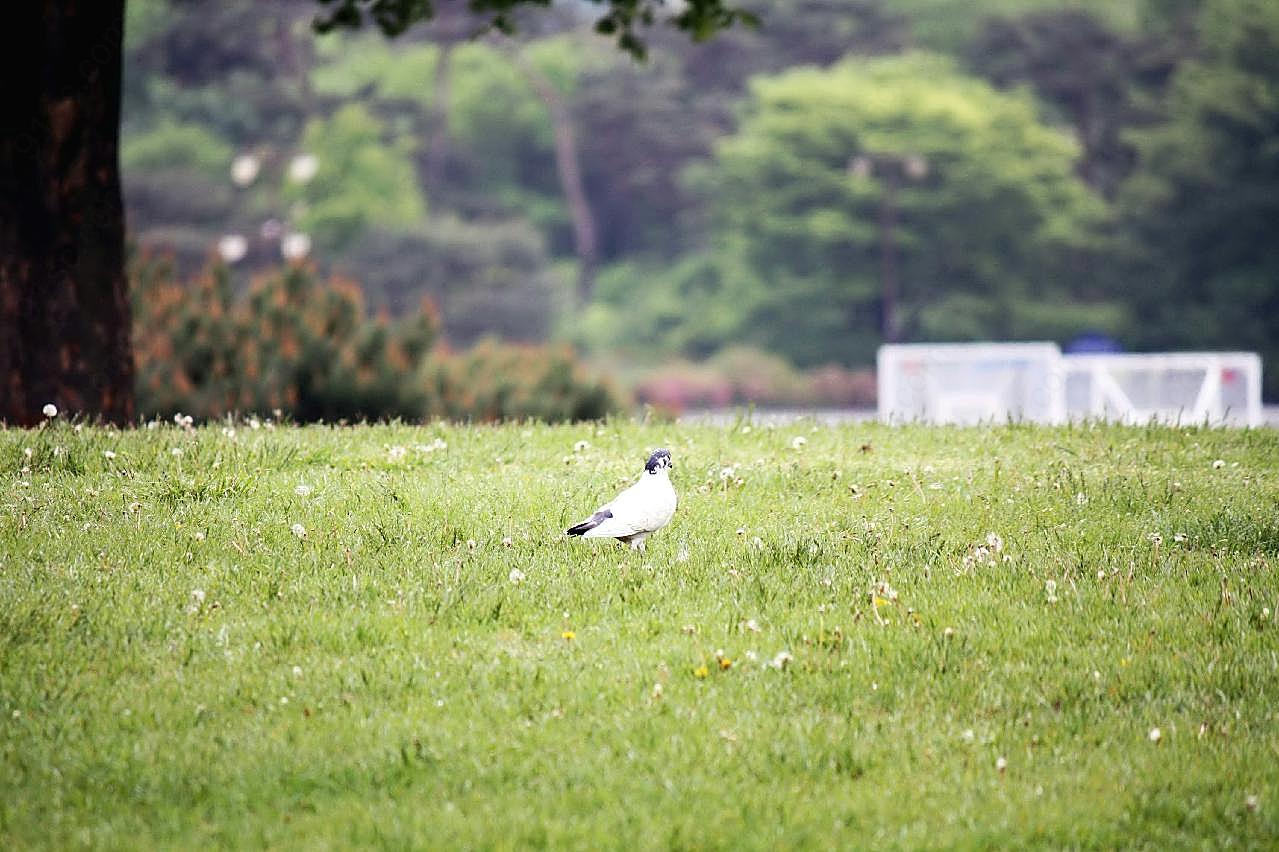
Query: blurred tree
[1204,201]
[491,277]
[363,179]
[950,25]
[640,125]
[895,196]
[1078,65]
[794,32]
[64,312]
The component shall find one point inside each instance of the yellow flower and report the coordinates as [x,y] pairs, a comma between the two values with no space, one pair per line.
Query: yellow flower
[701,672]
[568,635]
[725,663]
[881,601]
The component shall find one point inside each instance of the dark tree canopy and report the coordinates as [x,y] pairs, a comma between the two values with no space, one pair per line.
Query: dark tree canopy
[620,18]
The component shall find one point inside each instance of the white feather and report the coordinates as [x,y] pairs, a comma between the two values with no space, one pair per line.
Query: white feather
[645,507]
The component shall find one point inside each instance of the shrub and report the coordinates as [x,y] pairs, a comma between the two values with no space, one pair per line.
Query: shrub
[495,381]
[310,349]
[741,374]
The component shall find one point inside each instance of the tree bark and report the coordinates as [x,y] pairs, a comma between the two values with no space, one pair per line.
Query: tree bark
[568,163]
[437,150]
[64,310]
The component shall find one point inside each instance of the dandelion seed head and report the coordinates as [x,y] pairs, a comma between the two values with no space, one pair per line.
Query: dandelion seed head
[108,454]
[1001,764]
[516,576]
[1218,464]
[298,530]
[50,410]
[303,490]
[1155,735]
[798,442]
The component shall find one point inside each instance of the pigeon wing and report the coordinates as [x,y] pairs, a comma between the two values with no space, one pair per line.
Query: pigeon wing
[638,509]
[590,523]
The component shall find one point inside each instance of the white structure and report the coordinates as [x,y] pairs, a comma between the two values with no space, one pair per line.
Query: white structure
[966,383]
[1213,388]
[970,383]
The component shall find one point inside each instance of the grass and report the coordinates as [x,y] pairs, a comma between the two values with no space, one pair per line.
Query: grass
[823,650]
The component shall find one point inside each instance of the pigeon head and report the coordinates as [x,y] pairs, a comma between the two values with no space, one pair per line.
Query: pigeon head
[659,460]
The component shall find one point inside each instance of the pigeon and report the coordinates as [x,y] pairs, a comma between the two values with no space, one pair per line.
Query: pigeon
[637,512]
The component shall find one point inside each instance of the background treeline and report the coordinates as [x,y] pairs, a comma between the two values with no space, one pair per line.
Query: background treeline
[1013,169]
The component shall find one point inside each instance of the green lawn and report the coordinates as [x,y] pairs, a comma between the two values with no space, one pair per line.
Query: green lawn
[822,650]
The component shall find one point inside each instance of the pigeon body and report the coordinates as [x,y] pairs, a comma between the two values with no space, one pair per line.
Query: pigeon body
[637,512]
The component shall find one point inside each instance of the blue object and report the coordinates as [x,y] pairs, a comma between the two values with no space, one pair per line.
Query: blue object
[1093,342]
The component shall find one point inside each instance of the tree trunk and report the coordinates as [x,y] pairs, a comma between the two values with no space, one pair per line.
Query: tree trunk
[437,151]
[568,164]
[64,310]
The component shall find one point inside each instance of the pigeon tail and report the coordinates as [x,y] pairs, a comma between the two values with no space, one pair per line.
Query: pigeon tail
[590,523]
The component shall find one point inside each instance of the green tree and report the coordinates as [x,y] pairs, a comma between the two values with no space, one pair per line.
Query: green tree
[1204,202]
[1084,69]
[64,307]
[363,180]
[899,198]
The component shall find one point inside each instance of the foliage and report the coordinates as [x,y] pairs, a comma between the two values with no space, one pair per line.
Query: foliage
[308,348]
[692,307]
[725,212]
[948,25]
[292,344]
[1205,199]
[621,18]
[983,195]
[177,146]
[1088,73]
[740,375]
[362,182]
[486,279]
[495,381]
[824,647]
